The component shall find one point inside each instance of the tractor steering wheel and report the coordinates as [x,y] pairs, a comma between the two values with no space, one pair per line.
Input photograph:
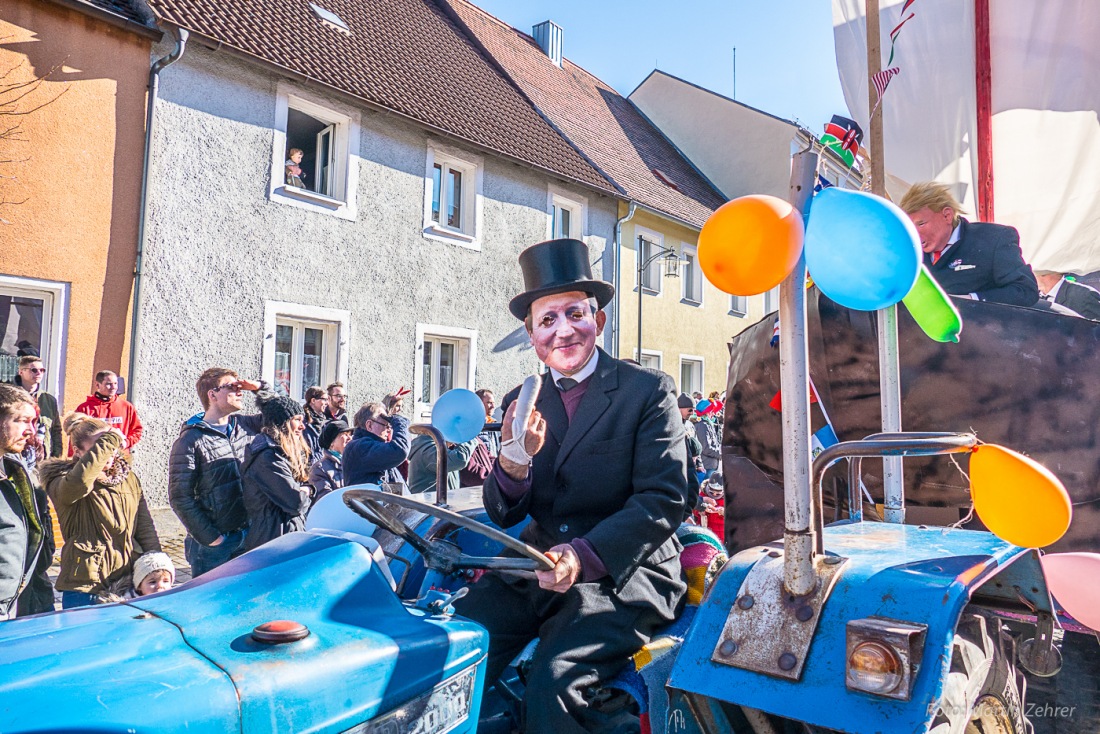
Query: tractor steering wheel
[443,556]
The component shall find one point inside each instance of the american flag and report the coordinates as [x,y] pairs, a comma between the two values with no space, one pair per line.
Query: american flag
[882,79]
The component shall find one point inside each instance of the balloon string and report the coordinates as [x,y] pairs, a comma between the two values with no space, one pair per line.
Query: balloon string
[970,512]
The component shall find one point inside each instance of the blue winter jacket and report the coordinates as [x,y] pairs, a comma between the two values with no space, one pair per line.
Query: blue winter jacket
[370,460]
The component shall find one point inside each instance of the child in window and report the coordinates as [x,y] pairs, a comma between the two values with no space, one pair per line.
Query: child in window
[294,169]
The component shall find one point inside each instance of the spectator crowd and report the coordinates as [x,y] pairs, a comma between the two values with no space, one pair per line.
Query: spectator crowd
[235,480]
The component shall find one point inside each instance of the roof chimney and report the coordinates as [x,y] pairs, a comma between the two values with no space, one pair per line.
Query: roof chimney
[548,36]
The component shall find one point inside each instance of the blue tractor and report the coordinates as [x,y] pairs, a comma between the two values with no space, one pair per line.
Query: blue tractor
[857,626]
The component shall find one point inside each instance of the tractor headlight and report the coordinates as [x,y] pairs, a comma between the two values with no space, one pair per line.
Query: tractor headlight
[883,656]
[874,667]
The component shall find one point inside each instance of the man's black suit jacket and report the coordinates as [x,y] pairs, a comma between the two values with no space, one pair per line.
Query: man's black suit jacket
[1080,299]
[615,475]
[986,260]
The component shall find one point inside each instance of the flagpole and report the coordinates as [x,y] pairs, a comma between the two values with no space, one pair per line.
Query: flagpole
[889,365]
[874,66]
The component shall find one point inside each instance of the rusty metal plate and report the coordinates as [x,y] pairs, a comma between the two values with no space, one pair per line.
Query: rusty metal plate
[768,630]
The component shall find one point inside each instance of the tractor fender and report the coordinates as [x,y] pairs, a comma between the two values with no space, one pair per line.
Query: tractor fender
[901,572]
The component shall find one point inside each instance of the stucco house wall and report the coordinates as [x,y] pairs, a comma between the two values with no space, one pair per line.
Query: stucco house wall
[221,248]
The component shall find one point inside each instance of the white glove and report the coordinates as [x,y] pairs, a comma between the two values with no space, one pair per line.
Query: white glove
[515,449]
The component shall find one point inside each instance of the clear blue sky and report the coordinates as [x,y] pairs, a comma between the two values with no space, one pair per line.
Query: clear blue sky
[785,59]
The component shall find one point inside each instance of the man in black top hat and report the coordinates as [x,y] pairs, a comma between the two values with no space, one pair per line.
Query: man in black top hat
[601,471]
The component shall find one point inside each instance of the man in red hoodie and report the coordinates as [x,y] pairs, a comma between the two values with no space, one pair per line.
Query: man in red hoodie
[106,405]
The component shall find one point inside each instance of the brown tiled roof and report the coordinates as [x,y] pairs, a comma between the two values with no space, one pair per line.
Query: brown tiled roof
[405,55]
[604,125]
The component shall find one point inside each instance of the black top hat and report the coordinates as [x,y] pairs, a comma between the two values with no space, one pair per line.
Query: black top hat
[557,266]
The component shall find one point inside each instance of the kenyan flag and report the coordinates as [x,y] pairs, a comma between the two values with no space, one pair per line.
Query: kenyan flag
[843,136]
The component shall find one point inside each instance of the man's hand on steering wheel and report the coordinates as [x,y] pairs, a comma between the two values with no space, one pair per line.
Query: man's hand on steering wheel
[566,570]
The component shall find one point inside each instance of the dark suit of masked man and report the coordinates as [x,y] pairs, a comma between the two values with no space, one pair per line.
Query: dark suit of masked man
[605,488]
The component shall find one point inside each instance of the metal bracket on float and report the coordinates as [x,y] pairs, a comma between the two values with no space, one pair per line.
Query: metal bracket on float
[1039,655]
[769,630]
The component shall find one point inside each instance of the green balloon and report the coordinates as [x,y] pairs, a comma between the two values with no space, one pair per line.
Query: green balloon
[932,309]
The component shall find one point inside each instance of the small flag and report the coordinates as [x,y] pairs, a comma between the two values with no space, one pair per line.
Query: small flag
[897,29]
[882,80]
[776,402]
[823,439]
[843,136]
[822,183]
[775,334]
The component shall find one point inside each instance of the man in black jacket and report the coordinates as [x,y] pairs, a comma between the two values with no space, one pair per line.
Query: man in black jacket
[601,469]
[972,259]
[1083,300]
[204,471]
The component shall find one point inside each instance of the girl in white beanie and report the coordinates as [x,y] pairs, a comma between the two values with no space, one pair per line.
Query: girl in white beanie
[153,572]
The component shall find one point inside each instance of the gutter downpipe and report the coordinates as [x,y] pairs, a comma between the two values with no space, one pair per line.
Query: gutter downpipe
[619,277]
[154,83]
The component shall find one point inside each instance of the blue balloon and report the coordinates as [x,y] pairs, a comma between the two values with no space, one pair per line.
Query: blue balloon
[702,405]
[459,415]
[861,250]
[331,513]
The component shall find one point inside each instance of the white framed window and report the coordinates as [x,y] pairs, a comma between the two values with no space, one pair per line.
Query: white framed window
[648,243]
[691,373]
[739,306]
[32,314]
[452,197]
[691,277]
[325,140]
[568,215]
[445,359]
[771,300]
[304,346]
[650,358]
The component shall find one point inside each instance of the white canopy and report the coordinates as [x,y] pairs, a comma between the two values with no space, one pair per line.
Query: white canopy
[1045,61]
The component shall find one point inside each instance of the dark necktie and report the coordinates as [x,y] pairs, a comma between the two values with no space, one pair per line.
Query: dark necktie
[566,384]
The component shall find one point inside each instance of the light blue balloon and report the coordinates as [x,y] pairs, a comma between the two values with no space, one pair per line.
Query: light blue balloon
[702,405]
[459,415]
[861,250]
[330,513]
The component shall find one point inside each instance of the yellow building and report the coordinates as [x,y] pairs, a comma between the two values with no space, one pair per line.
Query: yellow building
[687,323]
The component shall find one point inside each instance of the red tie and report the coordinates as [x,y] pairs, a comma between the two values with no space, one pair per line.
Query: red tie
[936,256]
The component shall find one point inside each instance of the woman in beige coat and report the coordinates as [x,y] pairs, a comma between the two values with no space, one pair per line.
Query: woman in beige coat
[100,508]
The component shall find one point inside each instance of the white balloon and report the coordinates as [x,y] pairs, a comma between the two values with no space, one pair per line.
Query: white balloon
[330,513]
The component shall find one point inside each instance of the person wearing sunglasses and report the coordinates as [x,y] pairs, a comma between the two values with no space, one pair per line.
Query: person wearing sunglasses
[378,447]
[31,374]
[204,470]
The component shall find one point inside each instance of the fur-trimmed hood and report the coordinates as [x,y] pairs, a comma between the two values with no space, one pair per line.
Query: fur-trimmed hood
[52,469]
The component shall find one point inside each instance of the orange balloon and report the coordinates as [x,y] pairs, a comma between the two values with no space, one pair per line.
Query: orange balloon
[749,245]
[1017,498]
